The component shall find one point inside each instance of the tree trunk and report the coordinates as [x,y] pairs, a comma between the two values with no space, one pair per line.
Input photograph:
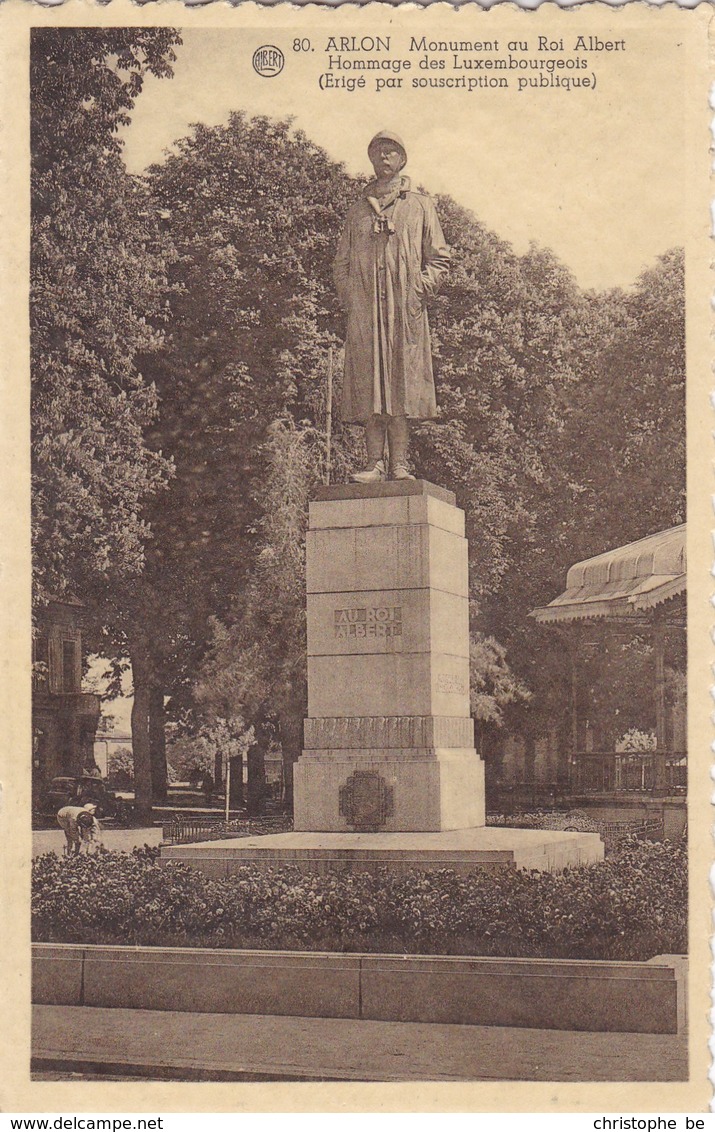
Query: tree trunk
[157,742]
[141,744]
[219,769]
[256,793]
[291,727]
[236,791]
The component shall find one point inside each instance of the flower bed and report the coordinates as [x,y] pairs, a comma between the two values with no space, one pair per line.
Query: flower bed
[630,907]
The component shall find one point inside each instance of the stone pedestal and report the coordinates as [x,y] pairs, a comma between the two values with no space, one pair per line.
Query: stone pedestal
[389,776]
[389,740]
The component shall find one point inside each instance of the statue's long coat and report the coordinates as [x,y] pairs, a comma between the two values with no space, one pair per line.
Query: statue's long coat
[383,280]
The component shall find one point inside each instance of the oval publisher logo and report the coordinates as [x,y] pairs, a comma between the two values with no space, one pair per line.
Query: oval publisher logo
[268,61]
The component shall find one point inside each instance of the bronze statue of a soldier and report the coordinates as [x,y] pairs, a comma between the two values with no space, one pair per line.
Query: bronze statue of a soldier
[390,259]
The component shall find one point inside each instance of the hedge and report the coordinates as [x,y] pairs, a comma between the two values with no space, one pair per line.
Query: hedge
[629,907]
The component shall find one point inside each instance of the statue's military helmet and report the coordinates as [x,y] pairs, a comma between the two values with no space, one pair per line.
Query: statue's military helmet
[387,135]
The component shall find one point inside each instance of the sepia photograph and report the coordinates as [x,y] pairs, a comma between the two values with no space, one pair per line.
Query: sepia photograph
[353,380]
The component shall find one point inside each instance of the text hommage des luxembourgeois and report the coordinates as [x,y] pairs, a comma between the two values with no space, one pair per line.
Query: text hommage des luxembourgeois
[381,63]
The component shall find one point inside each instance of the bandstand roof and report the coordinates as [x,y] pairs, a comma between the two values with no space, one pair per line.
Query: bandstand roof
[624,583]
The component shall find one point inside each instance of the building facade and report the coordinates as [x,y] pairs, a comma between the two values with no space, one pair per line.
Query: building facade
[64,719]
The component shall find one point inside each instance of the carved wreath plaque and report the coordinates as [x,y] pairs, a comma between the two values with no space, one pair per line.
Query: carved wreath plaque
[366,801]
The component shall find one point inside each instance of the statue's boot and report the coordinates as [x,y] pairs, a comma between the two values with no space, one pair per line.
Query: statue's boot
[375,472]
[398,435]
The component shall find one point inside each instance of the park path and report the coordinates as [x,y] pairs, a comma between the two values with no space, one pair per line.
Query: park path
[120,840]
[180,1046]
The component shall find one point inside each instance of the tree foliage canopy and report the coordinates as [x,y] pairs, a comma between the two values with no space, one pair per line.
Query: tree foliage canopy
[97,303]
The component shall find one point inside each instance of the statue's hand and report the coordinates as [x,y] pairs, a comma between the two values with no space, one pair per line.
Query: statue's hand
[426,288]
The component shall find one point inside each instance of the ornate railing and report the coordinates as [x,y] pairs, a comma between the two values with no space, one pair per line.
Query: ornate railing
[579,821]
[627,772]
[181,829]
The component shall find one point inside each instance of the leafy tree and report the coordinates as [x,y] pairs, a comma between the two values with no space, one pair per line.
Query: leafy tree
[492,683]
[501,331]
[616,469]
[251,210]
[120,765]
[503,326]
[256,666]
[98,282]
[97,306]
[106,724]
[86,81]
[207,750]
[635,740]
[624,430]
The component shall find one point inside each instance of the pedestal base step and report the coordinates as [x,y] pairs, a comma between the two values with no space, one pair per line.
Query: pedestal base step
[464,850]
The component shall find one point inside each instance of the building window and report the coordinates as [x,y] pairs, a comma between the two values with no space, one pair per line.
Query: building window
[40,662]
[70,659]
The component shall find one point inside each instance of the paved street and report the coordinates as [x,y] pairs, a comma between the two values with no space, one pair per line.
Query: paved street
[122,840]
[257,1047]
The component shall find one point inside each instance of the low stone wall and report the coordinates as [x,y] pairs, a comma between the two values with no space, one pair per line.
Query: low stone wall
[536,993]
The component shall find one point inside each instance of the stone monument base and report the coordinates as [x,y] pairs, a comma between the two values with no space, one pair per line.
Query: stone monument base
[405,791]
[464,850]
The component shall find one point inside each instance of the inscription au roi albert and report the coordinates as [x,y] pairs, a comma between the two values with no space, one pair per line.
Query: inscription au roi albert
[368,623]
